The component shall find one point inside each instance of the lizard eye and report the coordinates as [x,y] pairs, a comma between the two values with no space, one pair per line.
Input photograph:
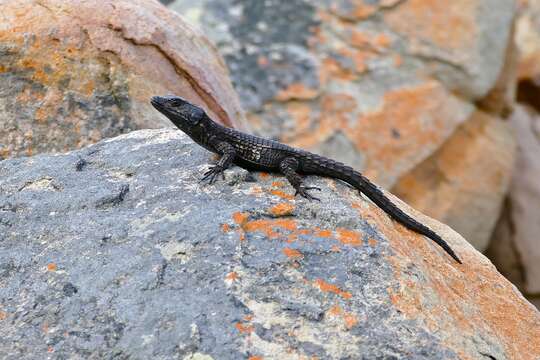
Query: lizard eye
[196,115]
[176,102]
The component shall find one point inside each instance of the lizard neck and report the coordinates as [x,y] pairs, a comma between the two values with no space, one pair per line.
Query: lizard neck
[203,132]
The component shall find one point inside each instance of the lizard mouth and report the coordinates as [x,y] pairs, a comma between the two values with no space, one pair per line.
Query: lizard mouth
[155,101]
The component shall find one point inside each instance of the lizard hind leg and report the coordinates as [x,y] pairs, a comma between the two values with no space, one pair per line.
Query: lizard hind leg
[288,167]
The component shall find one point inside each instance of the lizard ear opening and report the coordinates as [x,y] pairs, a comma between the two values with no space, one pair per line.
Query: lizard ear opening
[196,115]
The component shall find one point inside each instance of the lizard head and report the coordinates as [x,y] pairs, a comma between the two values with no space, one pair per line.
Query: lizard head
[181,112]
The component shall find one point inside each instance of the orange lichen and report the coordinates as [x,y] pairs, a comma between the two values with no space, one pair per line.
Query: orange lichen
[301,114]
[267,226]
[4,153]
[359,58]
[292,238]
[323,233]
[282,194]
[401,109]
[240,218]
[428,19]
[362,11]
[256,190]
[232,276]
[255,358]
[52,267]
[332,69]
[225,228]
[262,61]
[264,175]
[282,209]
[372,242]
[297,91]
[243,328]
[327,287]
[359,38]
[398,60]
[350,320]
[335,310]
[292,253]
[278,184]
[382,41]
[3,315]
[349,237]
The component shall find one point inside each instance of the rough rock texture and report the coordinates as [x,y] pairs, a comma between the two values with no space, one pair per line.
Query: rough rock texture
[380,85]
[458,176]
[528,38]
[521,226]
[75,71]
[515,243]
[117,251]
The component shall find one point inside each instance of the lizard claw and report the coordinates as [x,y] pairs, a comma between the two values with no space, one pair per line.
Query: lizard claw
[303,191]
[212,174]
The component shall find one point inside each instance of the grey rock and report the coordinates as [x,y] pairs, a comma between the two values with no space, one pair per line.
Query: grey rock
[117,251]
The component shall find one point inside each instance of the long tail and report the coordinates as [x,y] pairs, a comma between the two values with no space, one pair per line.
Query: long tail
[319,165]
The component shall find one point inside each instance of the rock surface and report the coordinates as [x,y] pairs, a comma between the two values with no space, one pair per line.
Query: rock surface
[117,251]
[521,224]
[460,176]
[380,85]
[75,71]
[386,83]
[528,38]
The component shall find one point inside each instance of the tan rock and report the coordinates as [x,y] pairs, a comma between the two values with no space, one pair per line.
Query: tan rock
[380,85]
[523,222]
[528,38]
[471,171]
[75,71]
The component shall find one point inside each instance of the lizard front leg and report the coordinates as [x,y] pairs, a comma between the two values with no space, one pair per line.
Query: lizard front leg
[289,167]
[227,153]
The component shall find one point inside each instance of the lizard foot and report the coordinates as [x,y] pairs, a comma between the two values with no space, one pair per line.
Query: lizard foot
[303,191]
[213,173]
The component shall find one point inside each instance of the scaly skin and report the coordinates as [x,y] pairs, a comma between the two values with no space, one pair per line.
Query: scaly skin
[255,153]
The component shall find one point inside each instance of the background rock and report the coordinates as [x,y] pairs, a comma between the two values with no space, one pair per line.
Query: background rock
[521,225]
[383,86]
[528,38]
[515,241]
[461,176]
[73,72]
[117,251]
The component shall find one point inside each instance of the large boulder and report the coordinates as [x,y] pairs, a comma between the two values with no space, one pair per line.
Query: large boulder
[458,176]
[380,85]
[515,243]
[521,224]
[117,251]
[528,39]
[75,71]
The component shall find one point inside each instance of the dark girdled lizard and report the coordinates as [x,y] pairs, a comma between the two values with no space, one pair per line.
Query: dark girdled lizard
[255,153]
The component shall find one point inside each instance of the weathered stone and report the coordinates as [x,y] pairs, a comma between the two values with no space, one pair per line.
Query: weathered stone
[471,171]
[528,39]
[381,86]
[116,250]
[75,71]
[388,79]
[522,224]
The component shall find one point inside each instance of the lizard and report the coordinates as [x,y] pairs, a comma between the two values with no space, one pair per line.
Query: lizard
[259,154]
